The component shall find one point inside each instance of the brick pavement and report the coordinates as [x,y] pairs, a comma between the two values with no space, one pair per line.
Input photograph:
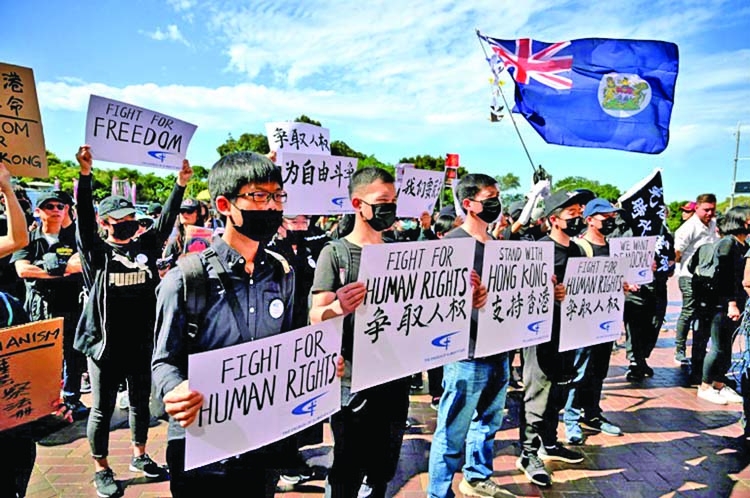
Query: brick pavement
[675,445]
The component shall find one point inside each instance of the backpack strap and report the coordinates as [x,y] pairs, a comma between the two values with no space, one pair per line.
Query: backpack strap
[585,246]
[340,249]
[194,286]
[281,259]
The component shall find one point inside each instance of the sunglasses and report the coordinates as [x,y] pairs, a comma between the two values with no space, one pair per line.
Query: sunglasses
[188,210]
[53,205]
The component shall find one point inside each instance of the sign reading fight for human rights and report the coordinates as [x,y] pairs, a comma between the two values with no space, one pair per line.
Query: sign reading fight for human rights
[417,309]
[520,294]
[124,133]
[262,391]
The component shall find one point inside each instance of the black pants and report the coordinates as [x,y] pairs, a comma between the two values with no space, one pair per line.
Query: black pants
[251,474]
[435,381]
[719,360]
[643,316]
[685,320]
[705,314]
[588,391]
[367,437]
[16,464]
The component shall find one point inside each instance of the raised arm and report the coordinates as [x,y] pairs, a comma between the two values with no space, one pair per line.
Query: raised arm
[166,221]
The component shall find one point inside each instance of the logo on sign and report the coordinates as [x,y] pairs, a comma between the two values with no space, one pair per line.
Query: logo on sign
[308,407]
[606,326]
[443,341]
[643,272]
[535,326]
[339,201]
[161,155]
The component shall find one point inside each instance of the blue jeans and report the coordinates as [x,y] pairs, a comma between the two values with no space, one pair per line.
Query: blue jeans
[469,415]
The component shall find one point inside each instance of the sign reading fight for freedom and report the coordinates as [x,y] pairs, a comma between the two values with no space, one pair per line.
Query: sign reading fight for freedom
[592,310]
[124,133]
[21,136]
[262,391]
[316,184]
[520,293]
[30,371]
[416,311]
[419,191]
[639,253]
[289,136]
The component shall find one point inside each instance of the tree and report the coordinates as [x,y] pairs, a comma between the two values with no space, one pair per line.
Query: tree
[255,142]
[606,190]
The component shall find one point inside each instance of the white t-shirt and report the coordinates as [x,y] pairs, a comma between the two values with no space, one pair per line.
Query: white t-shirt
[689,237]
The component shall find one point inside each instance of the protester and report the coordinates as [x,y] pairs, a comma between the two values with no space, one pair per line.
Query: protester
[117,325]
[369,429]
[687,210]
[154,210]
[471,408]
[190,215]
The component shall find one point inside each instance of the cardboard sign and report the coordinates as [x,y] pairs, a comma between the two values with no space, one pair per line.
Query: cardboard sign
[592,310]
[639,253]
[304,138]
[21,137]
[197,238]
[263,391]
[416,312]
[129,134]
[419,192]
[520,296]
[316,184]
[30,371]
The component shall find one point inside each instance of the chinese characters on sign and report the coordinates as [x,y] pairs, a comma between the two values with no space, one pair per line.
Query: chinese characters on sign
[416,311]
[592,310]
[30,371]
[419,191]
[125,133]
[520,293]
[644,204]
[21,136]
[302,138]
[639,253]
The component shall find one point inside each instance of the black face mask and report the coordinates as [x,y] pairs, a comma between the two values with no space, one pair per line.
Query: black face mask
[259,226]
[491,210]
[124,230]
[383,215]
[608,226]
[296,237]
[574,226]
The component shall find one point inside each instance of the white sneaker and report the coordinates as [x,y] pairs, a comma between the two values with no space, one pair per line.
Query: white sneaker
[712,395]
[730,395]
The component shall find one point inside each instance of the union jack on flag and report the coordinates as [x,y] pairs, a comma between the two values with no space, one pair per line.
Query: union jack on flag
[541,65]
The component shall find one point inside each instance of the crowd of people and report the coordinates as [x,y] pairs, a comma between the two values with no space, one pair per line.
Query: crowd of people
[117,277]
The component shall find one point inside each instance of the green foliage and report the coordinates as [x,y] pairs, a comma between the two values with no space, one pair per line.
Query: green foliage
[305,119]
[509,181]
[339,148]
[606,190]
[674,220]
[255,142]
[739,200]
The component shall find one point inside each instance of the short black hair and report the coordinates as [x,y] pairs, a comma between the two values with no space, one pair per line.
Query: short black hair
[471,184]
[734,221]
[444,224]
[234,171]
[366,176]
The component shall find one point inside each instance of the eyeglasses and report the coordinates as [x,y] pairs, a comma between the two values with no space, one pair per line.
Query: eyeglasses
[53,205]
[262,196]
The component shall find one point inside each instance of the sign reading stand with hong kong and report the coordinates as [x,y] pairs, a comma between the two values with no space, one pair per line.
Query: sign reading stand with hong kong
[124,133]
[416,312]
[262,391]
[520,296]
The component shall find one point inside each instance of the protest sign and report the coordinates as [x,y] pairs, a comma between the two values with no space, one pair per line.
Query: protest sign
[520,293]
[316,184]
[197,238]
[416,311]
[399,173]
[639,253]
[644,205]
[129,134]
[592,310]
[420,190]
[21,136]
[304,138]
[262,391]
[30,371]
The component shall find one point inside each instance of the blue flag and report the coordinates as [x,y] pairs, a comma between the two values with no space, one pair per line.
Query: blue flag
[593,92]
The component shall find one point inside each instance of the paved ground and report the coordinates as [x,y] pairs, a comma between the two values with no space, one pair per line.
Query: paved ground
[675,445]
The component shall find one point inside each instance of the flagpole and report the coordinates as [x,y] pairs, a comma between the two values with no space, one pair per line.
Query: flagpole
[505,101]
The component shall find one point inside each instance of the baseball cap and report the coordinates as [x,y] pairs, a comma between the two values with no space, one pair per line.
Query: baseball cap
[689,207]
[515,209]
[50,195]
[116,206]
[598,206]
[448,210]
[189,204]
[154,208]
[564,198]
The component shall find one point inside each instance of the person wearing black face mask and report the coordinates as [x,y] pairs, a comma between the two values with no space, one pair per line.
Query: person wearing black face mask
[116,329]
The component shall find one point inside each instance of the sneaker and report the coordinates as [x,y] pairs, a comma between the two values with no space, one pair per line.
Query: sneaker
[680,358]
[85,383]
[601,424]
[712,395]
[647,370]
[287,482]
[487,487]
[730,395]
[105,484]
[78,410]
[144,464]
[559,453]
[635,373]
[533,469]
[123,400]
[435,403]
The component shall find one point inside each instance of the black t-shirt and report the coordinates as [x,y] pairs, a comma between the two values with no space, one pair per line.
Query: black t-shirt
[562,253]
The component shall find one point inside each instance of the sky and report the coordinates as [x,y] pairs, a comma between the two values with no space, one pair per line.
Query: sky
[394,79]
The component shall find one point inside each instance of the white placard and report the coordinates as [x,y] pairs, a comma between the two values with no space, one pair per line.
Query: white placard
[420,190]
[124,133]
[639,252]
[416,312]
[262,391]
[399,169]
[316,184]
[592,310]
[290,136]
[520,296]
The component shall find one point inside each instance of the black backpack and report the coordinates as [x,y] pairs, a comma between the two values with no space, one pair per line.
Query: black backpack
[703,267]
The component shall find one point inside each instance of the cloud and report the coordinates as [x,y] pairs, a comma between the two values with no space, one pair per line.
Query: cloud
[181,5]
[171,33]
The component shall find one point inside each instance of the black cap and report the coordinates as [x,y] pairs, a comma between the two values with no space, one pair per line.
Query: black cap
[116,206]
[515,209]
[50,195]
[564,198]
[154,208]
[449,210]
[190,204]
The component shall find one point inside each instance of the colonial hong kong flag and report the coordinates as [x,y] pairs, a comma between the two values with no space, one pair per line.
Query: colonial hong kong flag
[594,92]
